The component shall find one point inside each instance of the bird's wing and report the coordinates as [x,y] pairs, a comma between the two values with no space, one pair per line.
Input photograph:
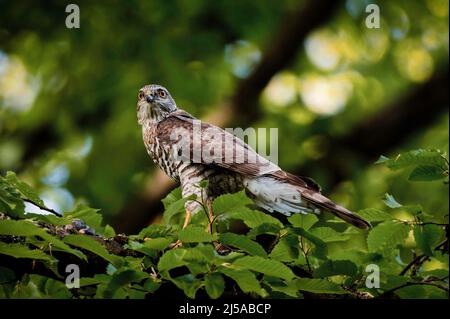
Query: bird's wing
[211,145]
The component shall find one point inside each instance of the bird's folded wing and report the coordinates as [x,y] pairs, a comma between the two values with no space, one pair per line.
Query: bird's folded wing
[210,145]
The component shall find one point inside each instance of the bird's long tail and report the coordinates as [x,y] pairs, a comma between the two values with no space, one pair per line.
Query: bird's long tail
[289,194]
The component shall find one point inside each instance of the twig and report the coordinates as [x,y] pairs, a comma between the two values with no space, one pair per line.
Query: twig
[305,253]
[43,207]
[419,260]
[416,283]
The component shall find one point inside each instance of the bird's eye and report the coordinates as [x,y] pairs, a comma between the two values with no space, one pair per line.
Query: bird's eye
[162,93]
[141,95]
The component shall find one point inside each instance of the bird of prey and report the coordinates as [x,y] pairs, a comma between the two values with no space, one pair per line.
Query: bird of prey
[177,141]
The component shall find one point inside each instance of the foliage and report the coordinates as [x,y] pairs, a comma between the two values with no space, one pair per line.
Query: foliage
[270,258]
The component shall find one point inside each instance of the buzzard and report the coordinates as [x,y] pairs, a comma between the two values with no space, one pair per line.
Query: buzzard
[191,151]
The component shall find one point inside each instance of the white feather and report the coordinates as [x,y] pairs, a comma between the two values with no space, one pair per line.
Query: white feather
[273,195]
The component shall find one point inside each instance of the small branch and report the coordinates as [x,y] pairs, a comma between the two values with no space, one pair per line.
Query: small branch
[417,283]
[419,260]
[43,207]
[305,253]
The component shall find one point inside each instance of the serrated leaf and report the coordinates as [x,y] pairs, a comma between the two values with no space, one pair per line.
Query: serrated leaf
[374,215]
[252,218]
[188,283]
[336,267]
[244,243]
[228,202]
[320,248]
[10,200]
[305,221]
[35,286]
[288,288]
[412,158]
[175,208]
[157,243]
[265,266]
[20,251]
[426,237]
[90,244]
[172,259]
[27,229]
[329,235]
[391,202]
[23,188]
[245,279]
[387,235]
[320,286]
[214,285]
[286,249]
[155,231]
[426,173]
[195,234]
[121,279]
[172,197]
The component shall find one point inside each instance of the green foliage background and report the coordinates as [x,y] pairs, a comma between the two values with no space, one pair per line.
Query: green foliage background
[68,128]
[305,256]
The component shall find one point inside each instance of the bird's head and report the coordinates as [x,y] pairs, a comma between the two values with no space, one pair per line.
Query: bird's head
[154,103]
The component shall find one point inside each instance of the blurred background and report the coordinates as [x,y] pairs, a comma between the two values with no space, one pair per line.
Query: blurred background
[340,94]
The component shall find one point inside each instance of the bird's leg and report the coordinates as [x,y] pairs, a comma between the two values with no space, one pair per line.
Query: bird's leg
[187,220]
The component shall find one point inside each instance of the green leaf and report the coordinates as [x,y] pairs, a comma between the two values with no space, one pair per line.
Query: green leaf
[266,266]
[36,286]
[242,242]
[228,202]
[387,235]
[320,250]
[172,259]
[19,228]
[374,215]
[122,279]
[426,237]
[175,208]
[154,231]
[426,173]
[214,285]
[195,234]
[23,188]
[97,279]
[28,229]
[391,202]
[415,157]
[329,235]
[245,279]
[253,218]
[90,244]
[336,267]
[188,283]
[20,251]
[286,249]
[10,200]
[157,243]
[319,286]
[277,285]
[305,221]
[6,275]
[172,197]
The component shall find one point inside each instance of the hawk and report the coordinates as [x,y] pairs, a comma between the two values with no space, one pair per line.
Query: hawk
[174,137]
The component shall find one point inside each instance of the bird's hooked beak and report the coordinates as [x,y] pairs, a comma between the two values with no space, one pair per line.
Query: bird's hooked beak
[150,98]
